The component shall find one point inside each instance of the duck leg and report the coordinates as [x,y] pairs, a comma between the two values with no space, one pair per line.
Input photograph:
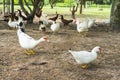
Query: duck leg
[85,33]
[82,34]
[79,34]
[84,66]
[27,52]
[53,33]
[32,52]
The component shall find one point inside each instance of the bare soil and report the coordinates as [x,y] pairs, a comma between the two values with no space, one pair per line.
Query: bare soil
[52,60]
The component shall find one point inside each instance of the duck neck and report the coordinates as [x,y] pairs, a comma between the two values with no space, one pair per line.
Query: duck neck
[94,54]
[18,32]
[94,51]
[36,42]
[39,41]
[9,20]
[20,18]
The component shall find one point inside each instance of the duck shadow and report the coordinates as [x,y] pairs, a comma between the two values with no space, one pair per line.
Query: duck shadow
[62,33]
[48,33]
[41,52]
[94,67]
[57,33]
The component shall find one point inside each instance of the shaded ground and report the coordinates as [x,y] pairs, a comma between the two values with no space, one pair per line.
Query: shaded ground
[52,60]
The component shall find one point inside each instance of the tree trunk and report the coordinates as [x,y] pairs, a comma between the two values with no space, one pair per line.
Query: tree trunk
[84,3]
[73,10]
[115,16]
[4,7]
[32,11]
[51,5]
[81,6]
[12,8]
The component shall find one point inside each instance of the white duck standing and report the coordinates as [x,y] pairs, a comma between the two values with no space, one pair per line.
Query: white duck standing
[85,57]
[42,27]
[45,20]
[20,19]
[91,22]
[82,27]
[27,42]
[12,24]
[55,26]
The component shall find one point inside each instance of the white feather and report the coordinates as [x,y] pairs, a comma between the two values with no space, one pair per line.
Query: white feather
[45,20]
[83,26]
[91,22]
[12,24]
[26,41]
[55,26]
[84,57]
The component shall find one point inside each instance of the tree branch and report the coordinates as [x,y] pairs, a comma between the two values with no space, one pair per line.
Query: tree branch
[32,1]
[70,9]
[28,6]
[76,7]
[22,6]
[35,6]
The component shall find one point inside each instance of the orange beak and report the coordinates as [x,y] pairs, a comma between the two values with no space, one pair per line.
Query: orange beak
[46,39]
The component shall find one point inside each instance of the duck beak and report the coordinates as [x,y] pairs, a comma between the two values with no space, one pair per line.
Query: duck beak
[46,39]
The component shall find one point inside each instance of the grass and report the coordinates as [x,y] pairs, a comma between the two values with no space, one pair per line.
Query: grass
[87,12]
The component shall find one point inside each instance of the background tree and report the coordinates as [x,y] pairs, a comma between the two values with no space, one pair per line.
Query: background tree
[115,15]
[73,10]
[29,11]
[52,3]
[80,2]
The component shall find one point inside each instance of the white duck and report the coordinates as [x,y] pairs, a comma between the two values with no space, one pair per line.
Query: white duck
[85,57]
[82,27]
[91,22]
[45,20]
[12,24]
[106,21]
[20,19]
[42,27]
[55,26]
[27,42]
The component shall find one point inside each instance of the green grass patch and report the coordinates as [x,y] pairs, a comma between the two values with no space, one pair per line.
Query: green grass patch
[94,12]
[87,12]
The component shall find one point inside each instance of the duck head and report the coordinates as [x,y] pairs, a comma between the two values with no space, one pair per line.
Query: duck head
[19,12]
[44,38]
[96,49]
[20,27]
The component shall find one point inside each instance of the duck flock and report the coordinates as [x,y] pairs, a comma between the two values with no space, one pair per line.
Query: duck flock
[28,43]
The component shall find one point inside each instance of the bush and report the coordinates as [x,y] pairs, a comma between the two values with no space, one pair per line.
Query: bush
[64,4]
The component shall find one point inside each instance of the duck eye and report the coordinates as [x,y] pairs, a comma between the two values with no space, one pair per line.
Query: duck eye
[100,49]
[46,38]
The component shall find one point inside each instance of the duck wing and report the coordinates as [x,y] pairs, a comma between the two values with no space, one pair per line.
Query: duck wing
[82,56]
[26,36]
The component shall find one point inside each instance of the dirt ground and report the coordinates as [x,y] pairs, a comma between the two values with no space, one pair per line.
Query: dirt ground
[52,60]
